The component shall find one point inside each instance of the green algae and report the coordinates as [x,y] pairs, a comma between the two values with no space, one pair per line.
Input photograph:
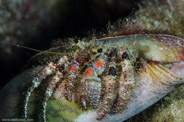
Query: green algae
[62,110]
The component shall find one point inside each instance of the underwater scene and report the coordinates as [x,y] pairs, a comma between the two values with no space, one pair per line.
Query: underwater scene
[92,61]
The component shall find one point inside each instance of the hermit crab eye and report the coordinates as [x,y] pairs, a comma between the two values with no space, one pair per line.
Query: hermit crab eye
[125,55]
[99,50]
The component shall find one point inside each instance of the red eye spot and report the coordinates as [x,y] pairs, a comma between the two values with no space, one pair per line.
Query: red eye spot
[73,68]
[99,63]
[89,72]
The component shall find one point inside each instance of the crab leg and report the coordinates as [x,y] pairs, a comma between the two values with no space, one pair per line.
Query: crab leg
[65,89]
[71,80]
[72,74]
[59,75]
[48,70]
[50,90]
[110,86]
[89,89]
[126,81]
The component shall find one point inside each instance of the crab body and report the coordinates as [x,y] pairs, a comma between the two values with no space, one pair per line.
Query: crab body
[113,78]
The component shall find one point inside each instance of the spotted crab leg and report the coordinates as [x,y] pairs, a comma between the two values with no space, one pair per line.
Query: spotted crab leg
[49,91]
[89,88]
[110,86]
[48,70]
[65,89]
[72,74]
[126,81]
[67,92]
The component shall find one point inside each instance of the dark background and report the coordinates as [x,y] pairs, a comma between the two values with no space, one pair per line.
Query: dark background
[80,17]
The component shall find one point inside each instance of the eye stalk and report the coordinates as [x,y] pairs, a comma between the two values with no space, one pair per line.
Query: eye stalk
[89,49]
[79,44]
[97,50]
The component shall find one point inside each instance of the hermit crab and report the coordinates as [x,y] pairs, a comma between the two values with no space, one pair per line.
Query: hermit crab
[110,78]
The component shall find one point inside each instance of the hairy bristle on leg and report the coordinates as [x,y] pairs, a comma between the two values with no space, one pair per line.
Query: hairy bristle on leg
[48,93]
[48,70]
[126,81]
[110,83]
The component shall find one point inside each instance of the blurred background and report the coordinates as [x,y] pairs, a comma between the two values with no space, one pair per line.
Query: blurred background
[36,23]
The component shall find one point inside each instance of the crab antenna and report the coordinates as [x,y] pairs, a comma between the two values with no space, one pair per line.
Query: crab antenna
[47,52]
